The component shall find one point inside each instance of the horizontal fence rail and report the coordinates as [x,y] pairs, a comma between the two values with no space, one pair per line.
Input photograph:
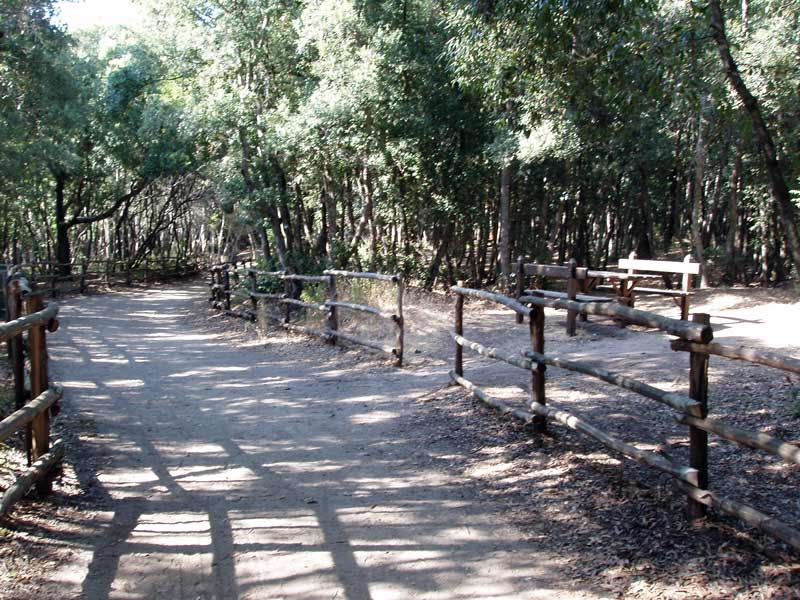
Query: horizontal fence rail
[21,417]
[29,317]
[222,291]
[769,359]
[686,330]
[693,409]
[17,326]
[81,276]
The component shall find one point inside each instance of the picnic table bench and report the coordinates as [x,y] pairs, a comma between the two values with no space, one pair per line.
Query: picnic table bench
[581,281]
[636,270]
[576,282]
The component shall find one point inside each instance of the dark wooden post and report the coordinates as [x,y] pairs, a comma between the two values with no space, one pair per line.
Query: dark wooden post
[698,439]
[287,309]
[84,271]
[52,272]
[685,285]
[399,322]
[235,272]
[459,329]
[39,383]
[572,293]
[538,374]
[520,270]
[16,353]
[332,318]
[629,283]
[227,287]
[253,289]
[16,356]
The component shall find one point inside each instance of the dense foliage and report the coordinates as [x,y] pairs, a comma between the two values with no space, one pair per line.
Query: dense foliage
[440,139]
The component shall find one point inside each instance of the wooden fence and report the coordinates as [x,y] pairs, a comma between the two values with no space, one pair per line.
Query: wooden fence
[695,338]
[222,292]
[94,273]
[28,314]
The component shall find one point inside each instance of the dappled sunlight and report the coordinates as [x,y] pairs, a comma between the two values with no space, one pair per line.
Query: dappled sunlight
[373,417]
[124,383]
[85,385]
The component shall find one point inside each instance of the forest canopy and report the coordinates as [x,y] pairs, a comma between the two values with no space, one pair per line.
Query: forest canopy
[438,139]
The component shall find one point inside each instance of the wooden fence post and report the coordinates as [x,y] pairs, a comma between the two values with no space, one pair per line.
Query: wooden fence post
[572,293]
[538,374]
[520,269]
[332,318]
[37,341]
[84,271]
[628,284]
[399,321]
[253,289]
[211,289]
[698,439]
[226,287]
[16,355]
[52,272]
[459,329]
[685,285]
[287,308]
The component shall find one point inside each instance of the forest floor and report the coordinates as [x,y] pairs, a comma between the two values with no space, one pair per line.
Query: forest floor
[208,459]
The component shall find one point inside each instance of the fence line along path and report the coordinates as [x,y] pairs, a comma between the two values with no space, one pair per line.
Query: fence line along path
[27,314]
[226,282]
[692,479]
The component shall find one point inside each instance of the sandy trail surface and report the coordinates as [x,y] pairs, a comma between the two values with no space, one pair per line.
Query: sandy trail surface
[230,468]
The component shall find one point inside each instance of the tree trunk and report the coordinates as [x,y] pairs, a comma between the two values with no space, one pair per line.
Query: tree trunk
[700,155]
[505,223]
[63,250]
[778,188]
[731,241]
[330,209]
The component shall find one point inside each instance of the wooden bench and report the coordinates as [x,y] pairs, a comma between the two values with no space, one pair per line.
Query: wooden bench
[637,269]
[576,277]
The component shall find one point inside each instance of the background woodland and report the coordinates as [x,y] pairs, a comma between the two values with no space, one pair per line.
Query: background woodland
[437,139]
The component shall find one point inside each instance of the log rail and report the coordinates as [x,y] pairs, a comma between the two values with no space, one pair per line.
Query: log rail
[29,317]
[692,409]
[83,275]
[222,291]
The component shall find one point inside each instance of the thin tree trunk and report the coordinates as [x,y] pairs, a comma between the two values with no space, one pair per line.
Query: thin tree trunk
[778,188]
[505,223]
[700,155]
[732,240]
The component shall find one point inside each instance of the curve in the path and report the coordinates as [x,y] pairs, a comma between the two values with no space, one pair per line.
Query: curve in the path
[240,472]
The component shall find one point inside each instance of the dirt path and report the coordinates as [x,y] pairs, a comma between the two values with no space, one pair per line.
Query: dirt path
[228,469]
[209,464]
